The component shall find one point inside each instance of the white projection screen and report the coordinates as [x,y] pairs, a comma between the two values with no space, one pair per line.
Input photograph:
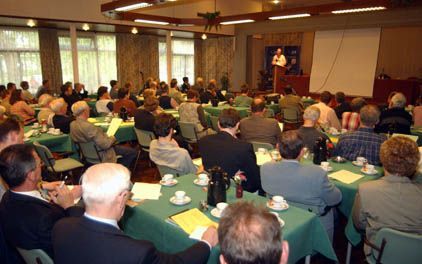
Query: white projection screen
[352,70]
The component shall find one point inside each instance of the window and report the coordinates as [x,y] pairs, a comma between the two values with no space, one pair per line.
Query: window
[162,63]
[96,60]
[183,62]
[20,58]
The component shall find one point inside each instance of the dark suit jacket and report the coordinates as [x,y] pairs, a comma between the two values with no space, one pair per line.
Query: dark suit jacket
[394,120]
[82,240]
[231,155]
[27,222]
[206,97]
[144,120]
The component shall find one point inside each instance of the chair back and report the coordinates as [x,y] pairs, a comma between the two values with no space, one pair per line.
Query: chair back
[35,256]
[214,123]
[256,145]
[167,170]
[291,115]
[89,152]
[144,138]
[399,247]
[188,131]
[45,154]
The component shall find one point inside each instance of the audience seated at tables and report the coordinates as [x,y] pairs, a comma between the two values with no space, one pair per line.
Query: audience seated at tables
[167,102]
[69,97]
[199,85]
[291,101]
[342,105]
[243,100]
[165,150]
[132,95]
[20,108]
[104,104]
[27,217]
[145,116]
[328,117]
[43,89]
[394,200]
[309,131]
[185,87]
[45,113]
[27,96]
[251,234]
[83,131]
[175,93]
[96,237]
[259,128]
[363,142]
[60,120]
[225,150]
[114,88]
[395,119]
[208,95]
[351,120]
[192,112]
[417,115]
[79,91]
[305,186]
[124,102]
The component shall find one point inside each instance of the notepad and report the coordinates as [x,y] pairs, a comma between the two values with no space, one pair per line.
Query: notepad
[190,220]
[114,126]
[149,191]
[414,138]
[197,162]
[345,176]
[262,158]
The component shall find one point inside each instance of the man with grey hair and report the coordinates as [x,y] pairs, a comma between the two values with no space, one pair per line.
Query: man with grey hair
[82,131]
[60,120]
[363,142]
[106,188]
[251,234]
[395,119]
[309,131]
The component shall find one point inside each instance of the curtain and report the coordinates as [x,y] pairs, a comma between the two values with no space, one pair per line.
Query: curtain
[50,58]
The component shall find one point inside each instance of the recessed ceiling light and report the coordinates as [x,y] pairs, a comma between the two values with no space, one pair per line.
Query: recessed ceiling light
[289,16]
[85,27]
[134,30]
[275,2]
[132,7]
[151,22]
[30,23]
[237,22]
[204,36]
[356,10]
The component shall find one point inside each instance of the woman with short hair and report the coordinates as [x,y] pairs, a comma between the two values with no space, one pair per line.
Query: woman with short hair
[20,108]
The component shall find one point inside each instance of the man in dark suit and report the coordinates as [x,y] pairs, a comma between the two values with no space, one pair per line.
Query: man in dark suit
[231,154]
[98,237]
[26,216]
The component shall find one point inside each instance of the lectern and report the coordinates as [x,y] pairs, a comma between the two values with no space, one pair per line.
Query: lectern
[278,73]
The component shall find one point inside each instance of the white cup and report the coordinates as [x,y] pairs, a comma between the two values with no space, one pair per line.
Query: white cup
[36,125]
[203,178]
[51,129]
[180,195]
[370,168]
[57,131]
[325,165]
[262,150]
[361,160]
[168,177]
[278,200]
[221,207]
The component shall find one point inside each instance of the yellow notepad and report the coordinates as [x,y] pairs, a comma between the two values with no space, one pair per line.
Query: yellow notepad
[345,176]
[191,219]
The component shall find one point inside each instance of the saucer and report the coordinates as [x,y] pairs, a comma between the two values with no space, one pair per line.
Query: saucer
[369,173]
[357,163]
[216,213]
[283,206]
[169,183]
[199,183]
[186,200]
[328,169]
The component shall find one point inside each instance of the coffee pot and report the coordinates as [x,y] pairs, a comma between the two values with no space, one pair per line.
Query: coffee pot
[123,113]
[320,151]
[218,184]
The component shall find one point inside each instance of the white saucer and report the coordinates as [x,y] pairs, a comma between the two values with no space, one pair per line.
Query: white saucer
[283,207]
[169,183]
[357,163]
[216,213]
[367,173]
[186,200]
[197,182]
[328,169]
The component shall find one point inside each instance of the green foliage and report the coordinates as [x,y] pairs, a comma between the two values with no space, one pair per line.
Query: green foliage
[211,20]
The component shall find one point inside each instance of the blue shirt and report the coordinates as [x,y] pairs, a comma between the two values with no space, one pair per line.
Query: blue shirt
[361,143]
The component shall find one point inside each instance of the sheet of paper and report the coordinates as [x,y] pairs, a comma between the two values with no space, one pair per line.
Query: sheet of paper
[198,232]
[262,158]
[92,120]
[414,138]
[197,162]
[281,125]
[191,219]
[114,126]
[345,176]
[29,133]
[147,191]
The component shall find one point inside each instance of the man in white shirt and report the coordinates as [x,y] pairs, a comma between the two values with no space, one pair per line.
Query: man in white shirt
[279,59]
[328,117]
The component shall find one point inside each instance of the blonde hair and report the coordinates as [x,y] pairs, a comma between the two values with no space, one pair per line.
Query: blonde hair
[57,104]
[79,107]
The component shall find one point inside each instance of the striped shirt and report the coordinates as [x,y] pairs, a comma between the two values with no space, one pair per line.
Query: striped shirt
[350,121]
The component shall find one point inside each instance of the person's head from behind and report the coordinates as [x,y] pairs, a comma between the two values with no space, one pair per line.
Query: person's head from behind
[46,83]
[229,120]
[149,92]
[164,125]
[11,132]
[20,166]
[45,100]
[291,145]
[3,91]
[78,87]
[211,86]
[151,104]
[311,115]
[258,105]
[164,89]
[153,85]
[369,116]
[325,97]
[288,90]
[200,81]
[105,190]
[398,101]
[11,86]
[113,84]
[357,103]
[173,83]
[102,93]
[123,93]
[66,89]
[16,96]
[249,234]
[24,85]
[340,97]
[80,109]
[185,79]
[244,89]
[59,106]
[192,95]
[400,156]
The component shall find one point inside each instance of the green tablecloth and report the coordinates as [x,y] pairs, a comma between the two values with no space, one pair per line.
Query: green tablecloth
[60,143]
[274,107]
[303,230]
[91,103]
[215,111]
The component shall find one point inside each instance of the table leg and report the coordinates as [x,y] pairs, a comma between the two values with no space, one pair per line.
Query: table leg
[349,252]
[308,259]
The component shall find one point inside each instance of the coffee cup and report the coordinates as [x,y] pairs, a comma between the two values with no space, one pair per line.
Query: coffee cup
[180,195]
[168,177]
[36,125]
[203,178]
[262,150]
[369,168]
[325,165]
[361,160]
[57,131]
[221,207]
[51,129]
[277,200]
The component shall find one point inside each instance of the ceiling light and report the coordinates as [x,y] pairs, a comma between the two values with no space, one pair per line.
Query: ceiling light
[132,7]
[151,22]
[237,22]
[289,16]
[85,27]
[134,30]
[30,23]
[204,36]
[185,25]
[276,2]
[355,10]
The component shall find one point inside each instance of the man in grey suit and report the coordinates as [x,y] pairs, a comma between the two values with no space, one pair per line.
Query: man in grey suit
[83,131]
[259,128]
[305,186]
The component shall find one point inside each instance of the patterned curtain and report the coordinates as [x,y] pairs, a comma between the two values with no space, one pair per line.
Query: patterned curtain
[50,58]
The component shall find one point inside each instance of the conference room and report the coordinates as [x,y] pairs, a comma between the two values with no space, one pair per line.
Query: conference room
[210,131]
